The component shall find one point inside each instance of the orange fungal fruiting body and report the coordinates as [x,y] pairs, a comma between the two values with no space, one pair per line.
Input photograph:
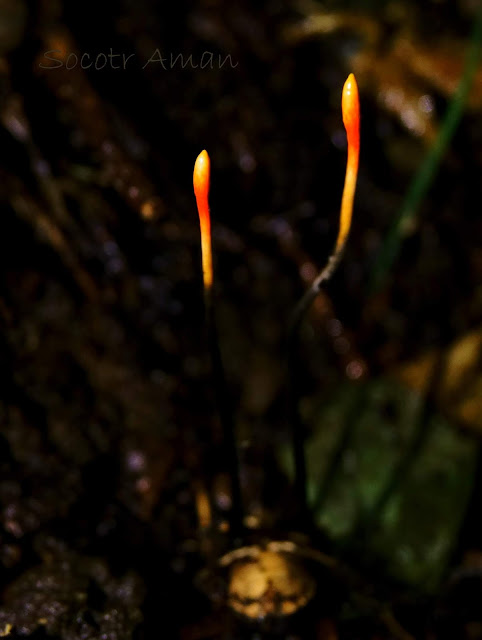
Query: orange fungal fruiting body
[201,176]
[350,107]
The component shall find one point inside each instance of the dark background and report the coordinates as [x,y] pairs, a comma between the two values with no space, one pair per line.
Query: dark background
[108,420]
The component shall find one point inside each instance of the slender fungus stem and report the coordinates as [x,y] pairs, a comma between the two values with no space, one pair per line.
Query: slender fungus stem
[350,107]
[201,178]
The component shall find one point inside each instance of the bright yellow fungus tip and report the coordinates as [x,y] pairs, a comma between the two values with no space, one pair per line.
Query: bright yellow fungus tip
[201,177]
[350,107]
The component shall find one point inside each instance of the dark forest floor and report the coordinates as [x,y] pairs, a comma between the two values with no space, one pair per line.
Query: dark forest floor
[109,433]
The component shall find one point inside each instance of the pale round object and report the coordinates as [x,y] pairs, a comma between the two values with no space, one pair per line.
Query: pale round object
[269,583]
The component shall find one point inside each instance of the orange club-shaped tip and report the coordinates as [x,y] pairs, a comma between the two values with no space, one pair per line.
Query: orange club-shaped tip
[350,108]
[201,178]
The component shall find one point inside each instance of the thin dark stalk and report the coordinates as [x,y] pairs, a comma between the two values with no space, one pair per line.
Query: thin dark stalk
[343,441]
[297,430]
[296,423]
[225,415]
[297,434]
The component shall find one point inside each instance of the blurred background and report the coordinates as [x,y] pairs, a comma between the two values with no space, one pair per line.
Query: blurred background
[109,432]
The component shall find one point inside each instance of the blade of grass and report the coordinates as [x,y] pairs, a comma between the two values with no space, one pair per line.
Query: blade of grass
[426,174]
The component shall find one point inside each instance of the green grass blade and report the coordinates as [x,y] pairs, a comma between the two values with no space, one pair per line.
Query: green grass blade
[425,176]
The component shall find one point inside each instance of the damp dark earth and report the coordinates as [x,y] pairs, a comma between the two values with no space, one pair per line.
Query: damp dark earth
[151,436]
